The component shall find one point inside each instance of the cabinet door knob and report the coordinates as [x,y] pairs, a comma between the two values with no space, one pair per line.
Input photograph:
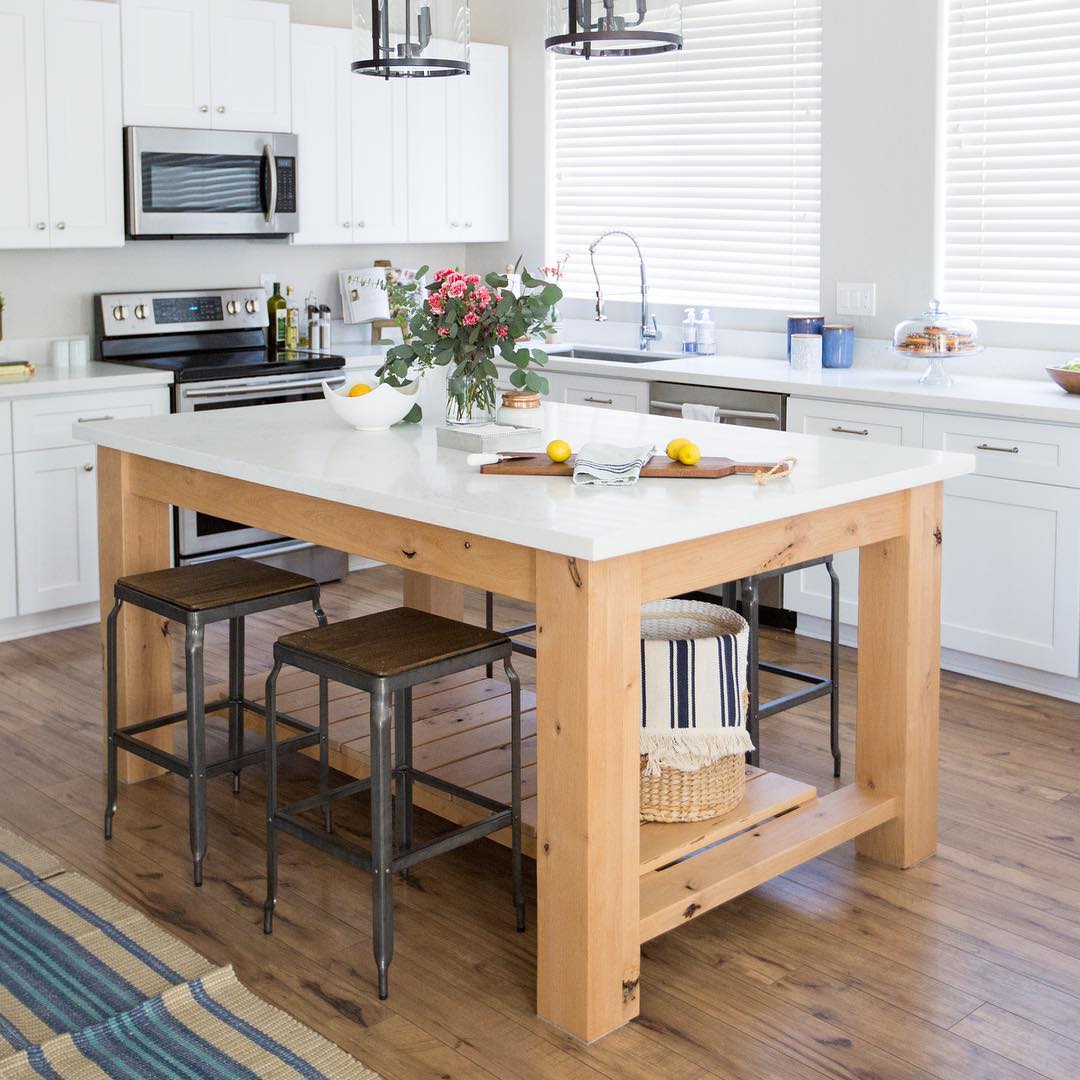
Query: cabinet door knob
[361,224]
[345,224]
[40,226]
[88,467]
[468,224]
[453,224]
[61,225]
[221,108]
[204,108]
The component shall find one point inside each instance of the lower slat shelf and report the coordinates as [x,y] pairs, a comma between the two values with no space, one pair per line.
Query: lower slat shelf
[681,892]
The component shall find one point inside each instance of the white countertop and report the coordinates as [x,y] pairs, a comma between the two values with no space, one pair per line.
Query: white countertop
[304,448]
[77,380]
[1028,399]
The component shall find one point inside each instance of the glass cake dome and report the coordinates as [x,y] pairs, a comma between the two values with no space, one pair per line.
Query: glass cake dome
[937,336]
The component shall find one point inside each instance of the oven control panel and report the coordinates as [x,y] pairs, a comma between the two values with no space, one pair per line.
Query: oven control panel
[131,314]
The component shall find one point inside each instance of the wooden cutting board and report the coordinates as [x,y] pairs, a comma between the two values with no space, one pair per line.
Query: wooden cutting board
[708,468]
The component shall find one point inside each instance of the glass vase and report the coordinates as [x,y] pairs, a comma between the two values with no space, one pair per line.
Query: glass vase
[470,398]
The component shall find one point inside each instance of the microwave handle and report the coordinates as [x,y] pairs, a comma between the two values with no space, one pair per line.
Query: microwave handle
[271,170]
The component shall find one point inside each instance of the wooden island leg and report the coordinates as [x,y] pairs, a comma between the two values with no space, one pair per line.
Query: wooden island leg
[133,537]
[427,593]
[588,717]
[896,741]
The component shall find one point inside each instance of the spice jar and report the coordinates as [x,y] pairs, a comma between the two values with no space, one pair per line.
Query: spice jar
[521,408]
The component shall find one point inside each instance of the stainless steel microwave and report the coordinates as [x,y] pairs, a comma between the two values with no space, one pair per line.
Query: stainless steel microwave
[186,183]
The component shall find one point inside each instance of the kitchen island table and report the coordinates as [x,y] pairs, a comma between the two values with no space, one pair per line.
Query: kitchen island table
[588,557]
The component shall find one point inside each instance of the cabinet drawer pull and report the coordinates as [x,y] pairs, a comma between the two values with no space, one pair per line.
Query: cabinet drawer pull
[88,467]
[93,419]
[850,431]
[999,449]
[600,401]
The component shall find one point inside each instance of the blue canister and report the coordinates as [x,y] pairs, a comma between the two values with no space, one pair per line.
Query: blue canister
[838,346]
[803,324]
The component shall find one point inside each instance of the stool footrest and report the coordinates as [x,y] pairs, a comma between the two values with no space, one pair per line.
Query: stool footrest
[791,673]
[467,834]
[317,802]
[794,699]
[453,789]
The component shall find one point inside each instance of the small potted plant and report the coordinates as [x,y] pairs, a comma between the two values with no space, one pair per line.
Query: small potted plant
[460,323]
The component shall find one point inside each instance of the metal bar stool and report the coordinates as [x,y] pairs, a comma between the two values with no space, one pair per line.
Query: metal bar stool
[818,685]
[517,631]
[228,589]
[386,655]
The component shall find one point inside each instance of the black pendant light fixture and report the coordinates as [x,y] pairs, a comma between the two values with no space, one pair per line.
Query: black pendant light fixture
[595,28]
[411,38]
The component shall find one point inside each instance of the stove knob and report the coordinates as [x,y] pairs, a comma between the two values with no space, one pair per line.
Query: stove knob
[251,306]
[232,307]
[119,313]
[140,311]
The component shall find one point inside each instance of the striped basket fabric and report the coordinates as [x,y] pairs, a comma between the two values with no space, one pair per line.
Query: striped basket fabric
[693,710]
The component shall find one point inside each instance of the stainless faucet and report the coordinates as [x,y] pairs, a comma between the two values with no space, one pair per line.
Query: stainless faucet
[650,329]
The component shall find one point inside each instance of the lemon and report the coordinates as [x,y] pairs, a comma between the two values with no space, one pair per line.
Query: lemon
[559,451]
[689,454]
[674,447]
[359,390]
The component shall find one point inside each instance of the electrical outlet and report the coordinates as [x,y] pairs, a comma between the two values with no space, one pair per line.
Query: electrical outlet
[856,299]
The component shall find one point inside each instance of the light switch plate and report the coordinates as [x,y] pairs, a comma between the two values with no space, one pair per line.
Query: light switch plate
[856,298]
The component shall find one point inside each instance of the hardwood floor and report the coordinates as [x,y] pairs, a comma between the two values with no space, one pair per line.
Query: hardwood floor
[967,966]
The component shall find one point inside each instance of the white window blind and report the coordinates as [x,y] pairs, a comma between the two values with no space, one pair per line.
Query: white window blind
[1011,244]
[711,157]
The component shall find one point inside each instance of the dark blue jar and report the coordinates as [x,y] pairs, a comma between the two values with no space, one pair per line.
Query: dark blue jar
[803,324]
[838,346]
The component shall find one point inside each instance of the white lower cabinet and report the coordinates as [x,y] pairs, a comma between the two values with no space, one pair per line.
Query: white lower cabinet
[8,594]
[623,395]
[1011,573]
[56,537]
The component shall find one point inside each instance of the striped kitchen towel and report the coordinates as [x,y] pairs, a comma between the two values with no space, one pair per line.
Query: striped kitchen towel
[693,684]
[603,463]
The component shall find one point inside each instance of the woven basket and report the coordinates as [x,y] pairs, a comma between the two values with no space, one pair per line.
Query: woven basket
[718,786]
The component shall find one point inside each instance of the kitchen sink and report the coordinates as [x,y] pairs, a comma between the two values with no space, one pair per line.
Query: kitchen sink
[617,356]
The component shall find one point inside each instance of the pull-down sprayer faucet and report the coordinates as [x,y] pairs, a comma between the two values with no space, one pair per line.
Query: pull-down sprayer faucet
[650,330]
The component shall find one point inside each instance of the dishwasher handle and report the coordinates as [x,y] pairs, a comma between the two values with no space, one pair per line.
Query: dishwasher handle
[727,414]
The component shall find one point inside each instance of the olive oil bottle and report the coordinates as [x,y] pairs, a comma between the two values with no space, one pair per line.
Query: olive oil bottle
[275,309]
[292,321]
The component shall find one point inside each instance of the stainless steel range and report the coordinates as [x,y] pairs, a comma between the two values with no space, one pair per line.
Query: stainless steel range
[215,344]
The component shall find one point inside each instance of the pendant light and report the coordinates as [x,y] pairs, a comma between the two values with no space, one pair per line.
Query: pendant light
[411,38]
[592,28]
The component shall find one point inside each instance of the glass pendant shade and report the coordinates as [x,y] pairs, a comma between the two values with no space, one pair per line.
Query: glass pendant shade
[410,38]
[595,28]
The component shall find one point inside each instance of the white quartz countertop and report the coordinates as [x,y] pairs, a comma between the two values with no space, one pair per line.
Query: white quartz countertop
[77,380]
[1028,399]
[303,448]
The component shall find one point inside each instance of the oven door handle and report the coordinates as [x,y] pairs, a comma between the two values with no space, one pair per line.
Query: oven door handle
[271,171]
[730,414]
[254,390]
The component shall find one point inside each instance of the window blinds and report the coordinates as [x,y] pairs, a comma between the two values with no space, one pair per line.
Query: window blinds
[711,157]
[1011,244]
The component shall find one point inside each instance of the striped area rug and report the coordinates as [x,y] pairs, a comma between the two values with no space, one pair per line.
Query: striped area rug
[91,988]
[207,1029]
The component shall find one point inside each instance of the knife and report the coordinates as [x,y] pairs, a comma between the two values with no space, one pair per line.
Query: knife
[494,459]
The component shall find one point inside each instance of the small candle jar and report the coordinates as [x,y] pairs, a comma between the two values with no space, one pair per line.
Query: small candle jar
[806,352]
[521,408]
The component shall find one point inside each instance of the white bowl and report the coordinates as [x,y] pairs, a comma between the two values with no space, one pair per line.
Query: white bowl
[377,411]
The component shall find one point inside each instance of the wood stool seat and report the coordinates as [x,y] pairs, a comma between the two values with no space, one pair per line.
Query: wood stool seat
[208,586]
[387,654]
[391,644]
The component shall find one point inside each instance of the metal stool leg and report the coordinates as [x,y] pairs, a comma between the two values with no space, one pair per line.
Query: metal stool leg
[236,694]
[834,667]
[403,758]
[316,606]
[382,844]
[752,597]
[110,713]
[271,799]
[324,752]
[196,729]
[515,793]
[489,622]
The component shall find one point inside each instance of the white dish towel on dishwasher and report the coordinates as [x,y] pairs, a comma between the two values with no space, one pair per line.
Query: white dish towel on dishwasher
[690,411]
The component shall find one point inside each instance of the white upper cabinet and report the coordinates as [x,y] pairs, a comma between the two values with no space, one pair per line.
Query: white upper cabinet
[193,63]
[380,160]
[85,124]
[458,134]
[322,118]
[166,62]
[249,65]
[24,178]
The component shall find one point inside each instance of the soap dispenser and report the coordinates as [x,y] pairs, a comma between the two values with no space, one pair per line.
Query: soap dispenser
[706,334]
[689,332]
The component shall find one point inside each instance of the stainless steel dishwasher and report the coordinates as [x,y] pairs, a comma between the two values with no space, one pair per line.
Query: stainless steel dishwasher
[743,408]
